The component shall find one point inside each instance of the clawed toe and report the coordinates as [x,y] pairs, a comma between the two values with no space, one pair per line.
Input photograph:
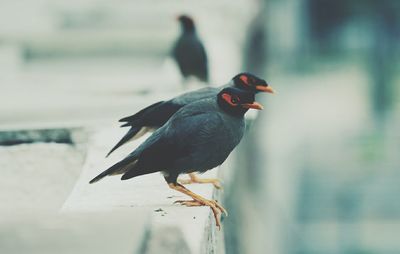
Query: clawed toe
[211,203]
[220,207]
[197,200]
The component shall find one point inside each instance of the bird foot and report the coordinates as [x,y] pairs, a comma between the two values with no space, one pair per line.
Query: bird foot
[216,208]
[214,181]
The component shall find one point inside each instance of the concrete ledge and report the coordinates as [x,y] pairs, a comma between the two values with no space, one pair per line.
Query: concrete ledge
[79,233]
[38,177]
[174,228]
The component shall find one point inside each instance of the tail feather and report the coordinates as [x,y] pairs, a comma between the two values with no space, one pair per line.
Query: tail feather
[128,167]
[129,135]
[138,171]
[138,115]
[119,168]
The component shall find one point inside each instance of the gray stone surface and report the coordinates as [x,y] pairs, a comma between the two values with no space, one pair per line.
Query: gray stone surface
[83,233]
[147,194]
[167,239]
[36,180]
[37,177]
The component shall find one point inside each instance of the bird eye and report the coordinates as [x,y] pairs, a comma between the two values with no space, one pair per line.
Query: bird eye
[234,100]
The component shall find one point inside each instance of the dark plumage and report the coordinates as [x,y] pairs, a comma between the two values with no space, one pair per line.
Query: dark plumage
[198,137]
[189,52]
[157,114]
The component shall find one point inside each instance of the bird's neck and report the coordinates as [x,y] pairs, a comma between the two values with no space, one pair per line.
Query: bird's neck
[189,29]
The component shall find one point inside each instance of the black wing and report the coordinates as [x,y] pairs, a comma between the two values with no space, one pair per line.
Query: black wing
[138,115]
[155,115]
[128,136]
[175,142]
[191,57]
[202,63]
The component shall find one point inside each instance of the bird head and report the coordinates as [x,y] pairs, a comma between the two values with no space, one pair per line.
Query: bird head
[236,101]
[250,82]
[187,23]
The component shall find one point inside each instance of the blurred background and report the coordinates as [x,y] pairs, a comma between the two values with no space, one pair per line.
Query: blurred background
[318,172]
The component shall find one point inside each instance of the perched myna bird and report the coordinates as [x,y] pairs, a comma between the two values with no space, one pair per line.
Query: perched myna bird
[157,114]
[189,52]
[198,137]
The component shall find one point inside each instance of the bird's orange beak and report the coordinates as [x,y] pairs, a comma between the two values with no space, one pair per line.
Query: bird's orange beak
[266,89]
[254,105]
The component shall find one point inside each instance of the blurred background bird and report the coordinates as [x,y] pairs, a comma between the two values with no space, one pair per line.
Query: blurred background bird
[189,52]
[199,137]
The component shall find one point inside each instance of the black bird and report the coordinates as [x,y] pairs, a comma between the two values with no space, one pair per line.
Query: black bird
[198,137]
[157,114]
[189,52]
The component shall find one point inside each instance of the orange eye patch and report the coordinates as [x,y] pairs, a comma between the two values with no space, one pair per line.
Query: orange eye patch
[245,79]
[231,100]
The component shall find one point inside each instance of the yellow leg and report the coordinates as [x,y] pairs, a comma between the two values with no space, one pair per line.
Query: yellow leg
[198,200]
[195,179]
